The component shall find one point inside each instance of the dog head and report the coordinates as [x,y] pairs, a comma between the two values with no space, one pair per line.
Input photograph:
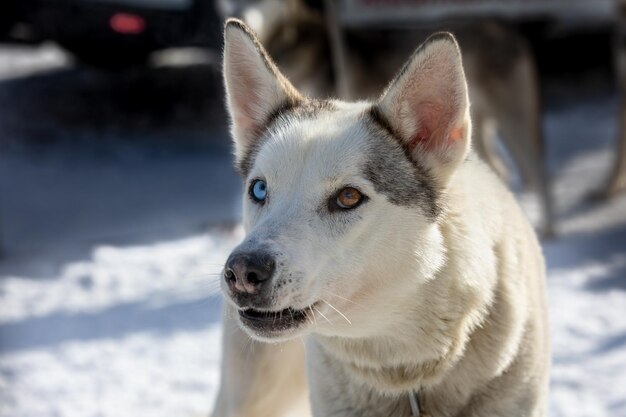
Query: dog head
[342,200]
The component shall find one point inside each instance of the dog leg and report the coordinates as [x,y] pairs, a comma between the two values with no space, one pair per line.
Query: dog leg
[617,179]
[259,379]
[484,139]
[522,131]
[503,75]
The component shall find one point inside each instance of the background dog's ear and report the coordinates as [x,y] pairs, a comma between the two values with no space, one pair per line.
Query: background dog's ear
[427,106]
[255,88]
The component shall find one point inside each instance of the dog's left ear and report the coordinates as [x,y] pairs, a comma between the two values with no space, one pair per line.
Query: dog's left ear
[255,88]
[427,106]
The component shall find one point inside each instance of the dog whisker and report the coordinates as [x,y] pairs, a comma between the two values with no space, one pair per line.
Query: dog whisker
[344,299]
[338,312]
[313,314]
[322,314]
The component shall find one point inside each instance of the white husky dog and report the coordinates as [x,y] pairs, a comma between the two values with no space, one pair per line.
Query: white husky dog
[374,230]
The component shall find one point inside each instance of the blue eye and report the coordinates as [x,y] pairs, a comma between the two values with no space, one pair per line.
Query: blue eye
[258,191]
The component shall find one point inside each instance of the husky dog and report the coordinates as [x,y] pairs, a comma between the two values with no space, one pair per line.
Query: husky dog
[373,230]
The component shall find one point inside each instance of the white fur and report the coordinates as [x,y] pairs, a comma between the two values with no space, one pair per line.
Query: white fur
[453,308]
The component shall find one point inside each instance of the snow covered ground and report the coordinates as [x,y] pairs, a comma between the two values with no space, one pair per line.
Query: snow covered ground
[109,302]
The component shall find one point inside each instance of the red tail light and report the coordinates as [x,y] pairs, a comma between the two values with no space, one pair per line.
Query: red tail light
[127,23]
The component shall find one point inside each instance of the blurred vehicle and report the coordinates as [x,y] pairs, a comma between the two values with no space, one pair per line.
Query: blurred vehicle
[385,12]
[112,33]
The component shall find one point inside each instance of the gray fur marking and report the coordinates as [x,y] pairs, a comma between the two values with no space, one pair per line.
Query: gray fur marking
[394,174]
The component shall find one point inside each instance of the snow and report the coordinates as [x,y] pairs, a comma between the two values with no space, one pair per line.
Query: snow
[109,292]
[130,331]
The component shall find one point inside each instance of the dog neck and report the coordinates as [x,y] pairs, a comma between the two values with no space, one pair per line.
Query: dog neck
[393,373]
[398,363]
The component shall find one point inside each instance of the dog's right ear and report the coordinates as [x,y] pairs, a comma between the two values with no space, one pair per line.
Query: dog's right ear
[255,88]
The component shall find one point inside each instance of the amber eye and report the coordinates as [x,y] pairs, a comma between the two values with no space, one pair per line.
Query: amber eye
[349,198]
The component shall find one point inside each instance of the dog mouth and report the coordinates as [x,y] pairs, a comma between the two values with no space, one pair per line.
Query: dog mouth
[271,322]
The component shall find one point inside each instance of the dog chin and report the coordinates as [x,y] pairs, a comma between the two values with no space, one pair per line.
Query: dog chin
[275,326]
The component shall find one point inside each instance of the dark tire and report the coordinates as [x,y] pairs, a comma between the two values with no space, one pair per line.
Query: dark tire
[108,57]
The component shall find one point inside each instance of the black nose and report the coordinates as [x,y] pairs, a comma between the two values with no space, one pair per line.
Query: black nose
[248,272]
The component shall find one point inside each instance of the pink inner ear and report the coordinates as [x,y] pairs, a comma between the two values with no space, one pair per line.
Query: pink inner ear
[246,100]
[429,118]
[432,122]
[427,142]
[421,138]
